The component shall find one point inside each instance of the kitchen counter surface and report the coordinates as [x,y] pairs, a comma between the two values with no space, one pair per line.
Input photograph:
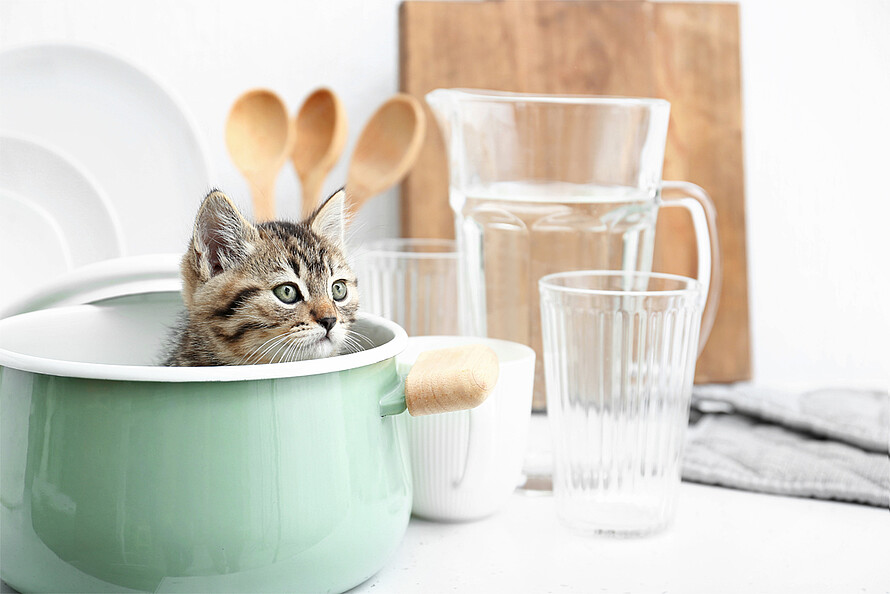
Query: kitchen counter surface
[722,541]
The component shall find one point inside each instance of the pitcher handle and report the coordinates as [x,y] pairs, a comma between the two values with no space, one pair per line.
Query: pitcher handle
[704,223]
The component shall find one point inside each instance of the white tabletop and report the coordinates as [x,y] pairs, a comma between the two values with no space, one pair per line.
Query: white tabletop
[722,540]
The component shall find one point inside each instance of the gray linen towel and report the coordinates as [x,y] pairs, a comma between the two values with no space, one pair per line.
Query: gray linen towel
[827,444]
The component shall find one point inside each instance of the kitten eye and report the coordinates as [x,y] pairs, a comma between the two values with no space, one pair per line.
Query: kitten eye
[338,290]
[287,293]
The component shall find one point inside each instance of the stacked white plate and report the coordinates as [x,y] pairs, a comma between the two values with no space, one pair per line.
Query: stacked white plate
[97,160]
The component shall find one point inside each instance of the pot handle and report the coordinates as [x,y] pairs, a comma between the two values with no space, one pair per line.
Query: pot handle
[445,380]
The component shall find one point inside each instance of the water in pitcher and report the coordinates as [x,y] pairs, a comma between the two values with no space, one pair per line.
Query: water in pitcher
[516,232]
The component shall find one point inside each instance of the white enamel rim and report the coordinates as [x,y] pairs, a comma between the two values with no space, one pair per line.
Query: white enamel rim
[147,373]
[129,275]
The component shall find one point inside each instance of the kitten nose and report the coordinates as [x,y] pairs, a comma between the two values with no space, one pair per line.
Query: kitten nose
[327,323]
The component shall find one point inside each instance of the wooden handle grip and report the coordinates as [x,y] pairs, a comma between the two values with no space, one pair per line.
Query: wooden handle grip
[455,378]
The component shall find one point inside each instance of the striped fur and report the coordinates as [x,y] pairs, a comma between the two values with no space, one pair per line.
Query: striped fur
[230,271]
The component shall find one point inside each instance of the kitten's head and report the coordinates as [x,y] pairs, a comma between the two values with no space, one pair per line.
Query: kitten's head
[269,292]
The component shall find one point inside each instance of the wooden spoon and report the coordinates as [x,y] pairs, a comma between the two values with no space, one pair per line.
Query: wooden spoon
[259,136]
[320,127]
[386,149]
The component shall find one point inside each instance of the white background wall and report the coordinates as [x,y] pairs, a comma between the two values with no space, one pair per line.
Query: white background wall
[816,79]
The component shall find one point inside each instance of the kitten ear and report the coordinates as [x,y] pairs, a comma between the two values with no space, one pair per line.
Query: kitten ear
[329,219]
[222,236]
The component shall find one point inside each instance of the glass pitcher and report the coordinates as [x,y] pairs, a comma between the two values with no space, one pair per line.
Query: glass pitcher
[544,183]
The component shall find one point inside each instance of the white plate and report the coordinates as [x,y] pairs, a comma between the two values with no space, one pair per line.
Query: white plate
[32,245]
[53,182]
[121,125]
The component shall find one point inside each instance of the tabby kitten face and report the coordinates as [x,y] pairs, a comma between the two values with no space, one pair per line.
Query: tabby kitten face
[265,293]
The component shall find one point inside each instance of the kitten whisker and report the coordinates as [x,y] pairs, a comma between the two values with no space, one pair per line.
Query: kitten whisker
[348,346]
[246,358]
[275,341]
[301,351]
[293,352]
[255,350]
[266,347]
[359,336]
[286,355]
[352,343]
[283,348]
[298,354]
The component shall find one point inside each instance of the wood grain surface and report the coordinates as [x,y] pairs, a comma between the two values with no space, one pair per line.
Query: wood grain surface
[687,53]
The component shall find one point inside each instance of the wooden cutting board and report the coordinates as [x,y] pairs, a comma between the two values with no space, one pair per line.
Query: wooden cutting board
[685,53]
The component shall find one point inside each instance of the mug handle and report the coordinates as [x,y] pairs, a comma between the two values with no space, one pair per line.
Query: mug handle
[482,440]
[449,380]
[459,379]
[704,223]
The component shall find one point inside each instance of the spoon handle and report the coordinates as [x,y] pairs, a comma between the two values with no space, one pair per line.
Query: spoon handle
[263,192]
[311,184]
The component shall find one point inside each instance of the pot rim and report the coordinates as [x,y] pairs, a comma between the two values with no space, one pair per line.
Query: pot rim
[231,373]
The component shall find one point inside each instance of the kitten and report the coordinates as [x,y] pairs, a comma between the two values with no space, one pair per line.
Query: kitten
[264,293]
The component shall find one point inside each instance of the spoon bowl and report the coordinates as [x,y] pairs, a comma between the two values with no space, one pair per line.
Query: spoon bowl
[320,127]
[259,137]
[386,149]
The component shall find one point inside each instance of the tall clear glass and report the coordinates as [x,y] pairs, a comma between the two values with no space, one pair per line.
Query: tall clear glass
[542,184]
[619,357]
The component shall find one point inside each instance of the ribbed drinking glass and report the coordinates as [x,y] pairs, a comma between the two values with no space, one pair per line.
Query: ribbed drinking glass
[412,282]
[619,360]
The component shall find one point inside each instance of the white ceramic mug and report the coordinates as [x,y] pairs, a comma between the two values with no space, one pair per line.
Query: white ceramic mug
[466,464]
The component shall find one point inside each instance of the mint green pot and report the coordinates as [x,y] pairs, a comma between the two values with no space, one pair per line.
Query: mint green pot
[118,476]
